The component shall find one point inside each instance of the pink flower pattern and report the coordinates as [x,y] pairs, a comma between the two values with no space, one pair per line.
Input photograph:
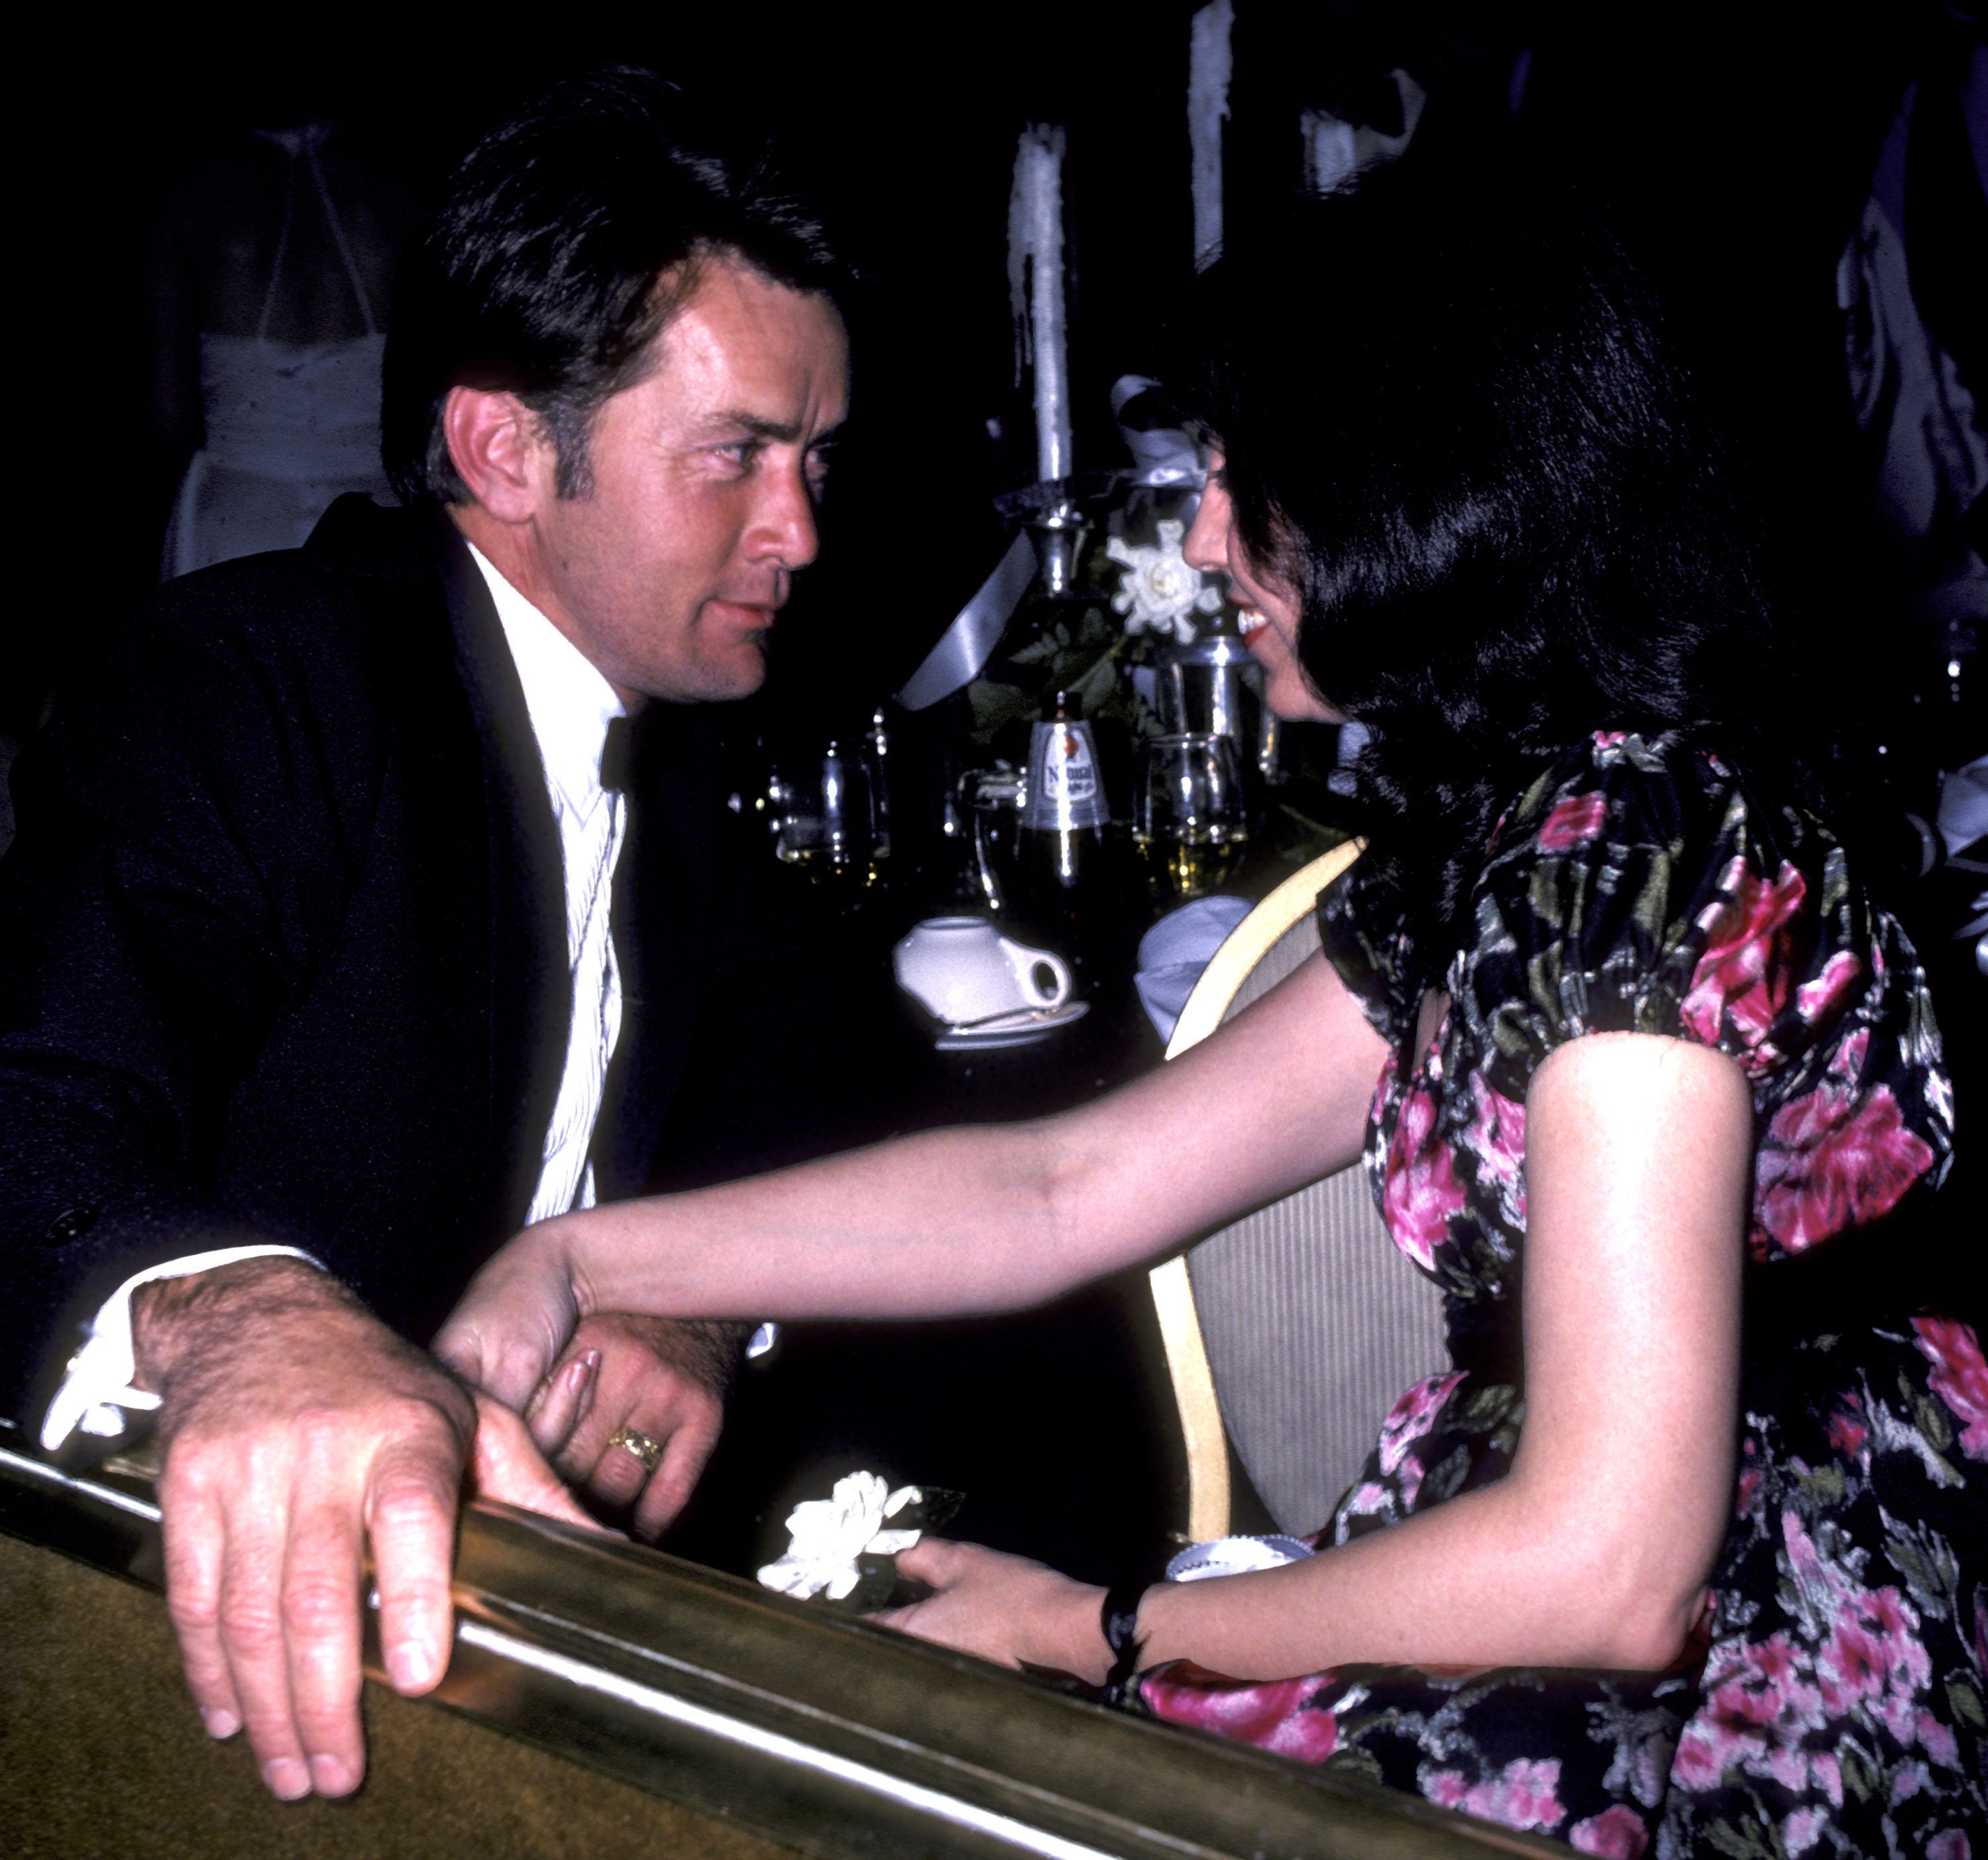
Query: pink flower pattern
[1410,1420]
[1840,1689]
[1959,1377]
[1422,1193]
[1574,822]
[1521,1795]
[1744,976]
[1279,1716]
[1832,1160]
[1617,1833]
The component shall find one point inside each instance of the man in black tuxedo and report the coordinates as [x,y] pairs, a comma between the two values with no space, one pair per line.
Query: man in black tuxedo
[307,993]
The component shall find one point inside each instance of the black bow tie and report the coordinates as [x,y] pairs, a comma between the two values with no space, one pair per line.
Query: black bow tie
[614,754]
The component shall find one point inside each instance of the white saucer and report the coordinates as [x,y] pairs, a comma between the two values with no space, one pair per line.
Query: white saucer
[1016,1029]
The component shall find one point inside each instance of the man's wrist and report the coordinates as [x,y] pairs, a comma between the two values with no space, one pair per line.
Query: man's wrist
[101,1391]
[174,1320]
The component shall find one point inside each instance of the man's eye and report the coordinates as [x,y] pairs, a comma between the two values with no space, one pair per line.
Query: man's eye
[743,453]
[817,468]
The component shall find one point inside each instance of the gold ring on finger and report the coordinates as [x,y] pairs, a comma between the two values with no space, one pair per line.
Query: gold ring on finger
[646,1447]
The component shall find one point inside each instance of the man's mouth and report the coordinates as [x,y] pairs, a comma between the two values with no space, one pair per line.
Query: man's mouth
[754,617]
[1247,621]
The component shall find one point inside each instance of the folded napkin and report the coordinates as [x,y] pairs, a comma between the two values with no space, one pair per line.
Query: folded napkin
[1236,1557]
[1963,806]
[1174,951]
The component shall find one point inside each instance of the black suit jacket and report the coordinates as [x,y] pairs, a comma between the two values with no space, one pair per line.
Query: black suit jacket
[282,952]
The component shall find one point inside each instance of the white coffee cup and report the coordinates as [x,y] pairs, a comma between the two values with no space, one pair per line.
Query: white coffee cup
[962,969]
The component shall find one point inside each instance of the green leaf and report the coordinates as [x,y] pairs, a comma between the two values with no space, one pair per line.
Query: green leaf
[1741,1841]
[1095,686]
[1858,1776]
[995,706]
[1966,1702]
[1348,1761]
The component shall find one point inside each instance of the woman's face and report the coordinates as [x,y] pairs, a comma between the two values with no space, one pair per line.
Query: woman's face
[1269,606]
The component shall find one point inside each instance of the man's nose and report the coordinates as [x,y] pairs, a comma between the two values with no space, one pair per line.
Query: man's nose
[1206,546]
[783,528]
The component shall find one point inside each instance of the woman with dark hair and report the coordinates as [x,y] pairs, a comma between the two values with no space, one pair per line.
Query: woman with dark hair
[1689,1543]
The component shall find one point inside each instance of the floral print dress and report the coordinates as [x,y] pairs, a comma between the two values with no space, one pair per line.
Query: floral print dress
[1835,1705]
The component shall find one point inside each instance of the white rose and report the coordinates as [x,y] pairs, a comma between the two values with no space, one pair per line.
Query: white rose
[828,1534]
[1160,589]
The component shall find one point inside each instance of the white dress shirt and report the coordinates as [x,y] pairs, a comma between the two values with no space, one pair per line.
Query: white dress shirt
[570,706]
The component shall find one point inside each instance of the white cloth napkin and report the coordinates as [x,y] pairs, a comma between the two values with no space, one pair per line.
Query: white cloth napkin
[1236,1557]
[1174,951]
[1963,806]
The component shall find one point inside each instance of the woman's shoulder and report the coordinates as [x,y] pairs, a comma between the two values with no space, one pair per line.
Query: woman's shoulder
[1616,787]
[1651,884]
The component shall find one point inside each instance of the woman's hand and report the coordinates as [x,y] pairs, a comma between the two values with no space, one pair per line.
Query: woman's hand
[1004,1609]
[508,1329]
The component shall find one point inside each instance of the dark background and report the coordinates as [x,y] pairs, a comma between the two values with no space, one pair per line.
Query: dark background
[1734,144]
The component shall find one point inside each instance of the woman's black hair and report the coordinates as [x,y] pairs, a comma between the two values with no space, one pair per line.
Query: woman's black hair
[563,244]
[1451,423]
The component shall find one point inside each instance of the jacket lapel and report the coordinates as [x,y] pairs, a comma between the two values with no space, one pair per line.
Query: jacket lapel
[665,902]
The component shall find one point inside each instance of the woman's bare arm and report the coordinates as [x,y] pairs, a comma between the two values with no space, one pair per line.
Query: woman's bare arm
[991,1217]
[1595,1550]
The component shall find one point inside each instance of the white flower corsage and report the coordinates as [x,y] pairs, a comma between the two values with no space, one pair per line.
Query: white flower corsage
[844,1548]
[1160,589]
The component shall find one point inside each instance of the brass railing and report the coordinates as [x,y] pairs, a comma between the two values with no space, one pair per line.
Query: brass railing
[832,1735]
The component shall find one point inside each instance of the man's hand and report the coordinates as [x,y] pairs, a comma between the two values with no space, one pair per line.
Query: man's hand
[662,1380]
[295,1430]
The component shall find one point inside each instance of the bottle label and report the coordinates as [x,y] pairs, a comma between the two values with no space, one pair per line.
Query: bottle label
[1064,790]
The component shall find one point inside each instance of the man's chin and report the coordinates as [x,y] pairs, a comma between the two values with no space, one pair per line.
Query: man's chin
[713,677]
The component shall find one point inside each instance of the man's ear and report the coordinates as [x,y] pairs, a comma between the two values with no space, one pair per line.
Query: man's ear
[501,451]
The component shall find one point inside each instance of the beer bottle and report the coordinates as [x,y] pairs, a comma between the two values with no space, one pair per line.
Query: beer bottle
[1061,855]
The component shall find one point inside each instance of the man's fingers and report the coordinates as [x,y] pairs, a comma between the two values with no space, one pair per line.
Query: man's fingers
[619,1472]
[507,1467]
[194,1534]
[322,1597]
[251,1616]
[676,1474]
[410,1519]
[562,1401]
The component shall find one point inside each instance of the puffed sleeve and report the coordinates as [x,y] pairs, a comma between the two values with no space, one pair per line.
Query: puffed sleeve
[1639,887]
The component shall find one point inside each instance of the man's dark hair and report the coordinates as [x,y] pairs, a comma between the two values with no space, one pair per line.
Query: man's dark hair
[1452,423]
[563,243]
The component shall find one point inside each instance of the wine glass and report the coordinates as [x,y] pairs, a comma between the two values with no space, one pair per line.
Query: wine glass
[1189,820]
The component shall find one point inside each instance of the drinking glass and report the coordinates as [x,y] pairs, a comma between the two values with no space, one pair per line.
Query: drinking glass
[1189,819]
[991,802]
[824,822]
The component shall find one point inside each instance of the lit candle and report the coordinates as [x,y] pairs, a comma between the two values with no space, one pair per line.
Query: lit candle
[1035,280]
[1208,67]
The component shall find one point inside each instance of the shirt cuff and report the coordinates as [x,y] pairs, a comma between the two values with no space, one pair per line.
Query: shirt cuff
[96,1395]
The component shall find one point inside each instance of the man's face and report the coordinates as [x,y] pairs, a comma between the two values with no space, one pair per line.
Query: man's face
[668,572]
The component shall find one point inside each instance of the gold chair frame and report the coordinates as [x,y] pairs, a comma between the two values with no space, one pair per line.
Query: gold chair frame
[1385,1332]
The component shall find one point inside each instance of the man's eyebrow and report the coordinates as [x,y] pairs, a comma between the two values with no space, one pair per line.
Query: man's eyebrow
[786,431]
[783,432]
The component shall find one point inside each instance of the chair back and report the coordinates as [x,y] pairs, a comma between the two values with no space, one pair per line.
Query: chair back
[1291,1331]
